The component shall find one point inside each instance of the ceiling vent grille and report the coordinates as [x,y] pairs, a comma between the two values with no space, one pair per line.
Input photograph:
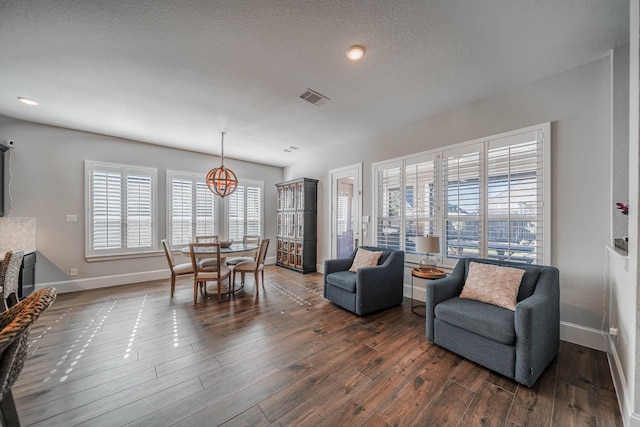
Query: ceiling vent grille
[314,97]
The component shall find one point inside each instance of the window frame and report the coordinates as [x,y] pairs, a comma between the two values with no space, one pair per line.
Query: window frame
[195,179]
[123,170]
[227,202]
[481,145]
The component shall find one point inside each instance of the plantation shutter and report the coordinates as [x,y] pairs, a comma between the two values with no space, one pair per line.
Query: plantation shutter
[515,197]
[181,211]
[420,199]
[461,203]
[139,210]
[254,210]
[389,207]
[205,210]
[192,208]
[106,208]
[236,214]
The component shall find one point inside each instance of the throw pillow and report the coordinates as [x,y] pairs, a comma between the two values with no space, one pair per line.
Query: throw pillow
[493,284]
[364,258]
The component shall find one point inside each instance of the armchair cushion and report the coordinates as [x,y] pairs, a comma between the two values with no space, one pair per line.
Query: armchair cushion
[364,258]
[345,280]
[493,284]
[529,280]
[487,320]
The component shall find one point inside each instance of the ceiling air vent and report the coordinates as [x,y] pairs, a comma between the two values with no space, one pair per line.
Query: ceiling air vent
[314,97]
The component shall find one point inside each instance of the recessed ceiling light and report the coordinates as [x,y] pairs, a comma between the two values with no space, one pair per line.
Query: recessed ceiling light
[27,101]
[355,52]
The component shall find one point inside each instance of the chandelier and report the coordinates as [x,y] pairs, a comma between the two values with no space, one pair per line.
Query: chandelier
[222,181]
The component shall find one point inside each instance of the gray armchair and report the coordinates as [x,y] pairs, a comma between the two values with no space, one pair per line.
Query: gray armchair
[369,289]
[518,345]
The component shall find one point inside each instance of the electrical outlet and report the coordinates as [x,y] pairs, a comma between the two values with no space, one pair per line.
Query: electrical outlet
[73,271]
[72,218]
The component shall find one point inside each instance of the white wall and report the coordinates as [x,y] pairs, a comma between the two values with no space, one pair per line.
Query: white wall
[47,182]
[622,311]
[620,139]
[578,105]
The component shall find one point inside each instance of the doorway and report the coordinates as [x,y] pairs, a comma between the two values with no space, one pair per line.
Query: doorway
[346,206]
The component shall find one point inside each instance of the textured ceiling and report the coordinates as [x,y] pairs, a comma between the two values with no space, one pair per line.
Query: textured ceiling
[177,73]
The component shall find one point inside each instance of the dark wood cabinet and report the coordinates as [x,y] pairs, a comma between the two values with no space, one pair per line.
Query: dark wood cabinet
[296,229]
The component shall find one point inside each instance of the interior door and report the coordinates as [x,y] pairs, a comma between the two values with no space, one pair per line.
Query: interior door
[345,210]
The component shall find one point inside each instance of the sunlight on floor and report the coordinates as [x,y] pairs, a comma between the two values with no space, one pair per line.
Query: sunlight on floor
[286,292]
[175,329]
[127,352]
[73,361]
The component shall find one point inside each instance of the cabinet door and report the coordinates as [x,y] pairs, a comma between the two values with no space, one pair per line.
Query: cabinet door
[299,225]
[300,195]
[292,253]
[279,225]
[280,199]
[299,255]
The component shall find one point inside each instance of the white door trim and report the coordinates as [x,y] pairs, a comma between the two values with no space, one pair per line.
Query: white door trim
[333,173]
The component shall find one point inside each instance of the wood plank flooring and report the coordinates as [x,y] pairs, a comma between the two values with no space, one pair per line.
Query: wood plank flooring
[131,355]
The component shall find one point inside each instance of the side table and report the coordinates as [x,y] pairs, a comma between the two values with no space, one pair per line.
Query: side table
[429,275]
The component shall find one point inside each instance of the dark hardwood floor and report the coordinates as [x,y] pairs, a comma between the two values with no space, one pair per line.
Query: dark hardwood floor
[131,355]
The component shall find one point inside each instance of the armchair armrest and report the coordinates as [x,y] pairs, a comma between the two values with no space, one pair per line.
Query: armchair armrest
[441,290]
[380,283]
[333,265]
[537,326]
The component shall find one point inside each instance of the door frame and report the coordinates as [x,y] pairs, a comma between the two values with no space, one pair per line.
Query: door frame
[333,173]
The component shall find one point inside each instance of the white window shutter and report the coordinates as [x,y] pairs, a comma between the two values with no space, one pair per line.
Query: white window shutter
[461,205]
[389,209]
[106,210]
[181,211]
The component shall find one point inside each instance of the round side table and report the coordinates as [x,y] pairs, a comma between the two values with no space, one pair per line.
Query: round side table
[429,275]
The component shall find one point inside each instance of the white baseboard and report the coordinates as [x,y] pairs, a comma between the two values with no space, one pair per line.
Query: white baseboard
[620,383]
[114,280]
[105,281]
[584,336]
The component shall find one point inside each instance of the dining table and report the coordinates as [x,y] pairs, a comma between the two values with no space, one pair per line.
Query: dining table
[236,249]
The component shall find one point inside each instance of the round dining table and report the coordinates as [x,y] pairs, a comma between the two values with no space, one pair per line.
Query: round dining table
[236,249]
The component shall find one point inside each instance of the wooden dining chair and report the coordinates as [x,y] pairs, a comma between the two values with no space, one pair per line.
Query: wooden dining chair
[207,262]
[176,269]
[246,240]
[10,278]
[216,273]
[254,266]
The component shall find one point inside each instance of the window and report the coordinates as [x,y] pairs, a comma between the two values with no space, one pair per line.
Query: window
[486,198]
[121,209]
[191,208]
[244,210]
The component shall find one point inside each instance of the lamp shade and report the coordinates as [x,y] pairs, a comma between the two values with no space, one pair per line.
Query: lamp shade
[428,245]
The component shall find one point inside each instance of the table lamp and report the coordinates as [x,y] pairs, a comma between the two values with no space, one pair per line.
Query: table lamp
[427,245]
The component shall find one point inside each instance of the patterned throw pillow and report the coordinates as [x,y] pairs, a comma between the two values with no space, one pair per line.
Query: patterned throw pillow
[493,284]
[365,258]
